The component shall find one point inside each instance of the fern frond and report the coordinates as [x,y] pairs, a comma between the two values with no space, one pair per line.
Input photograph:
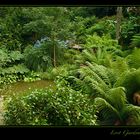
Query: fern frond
[89,55]
[136,41]
[91,71]
[101,71]
[107,111]
[97,88]
[117,97]
[134,59]
[130,80]
[131,114]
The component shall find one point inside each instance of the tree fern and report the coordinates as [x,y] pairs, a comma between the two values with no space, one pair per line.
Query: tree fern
[135,41]
[119,66]
[131,114]
[131,81]
[102,71]
[97,89]
[96,79]
[93,80]
[101,47]
[134,59]
[111,99]
[114,109]
[89,55]
[110,89]
[94,75]
[108,114]
[117,97]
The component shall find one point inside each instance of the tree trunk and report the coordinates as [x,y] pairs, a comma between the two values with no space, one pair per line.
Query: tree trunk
[118,25]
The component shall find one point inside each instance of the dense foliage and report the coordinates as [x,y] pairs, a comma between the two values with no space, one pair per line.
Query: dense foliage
[97,73]
[46,107]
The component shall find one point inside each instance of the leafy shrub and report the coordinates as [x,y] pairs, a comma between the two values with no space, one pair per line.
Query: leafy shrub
[13,74]
[52,73]
[130,27]
[16,56]
[71,56]
[31,77]
[95,41]
[3,57]
[98,49]
[41,57]
[37,59]
[103,26]
[110,98]
[46,75]
[46,107]
[9,58]
[11,69]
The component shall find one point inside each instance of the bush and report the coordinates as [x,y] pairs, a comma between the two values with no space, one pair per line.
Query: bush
[32,76]
[52,73]
[46,107]
[130,27]
[13,74]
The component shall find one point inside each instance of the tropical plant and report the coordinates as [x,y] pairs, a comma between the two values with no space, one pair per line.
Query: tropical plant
[9,58]
[105,25]
[41,58]
[13,74]
[112,99]
[114,109]
[95,41]
[119,66]
[4,58]
[133,59]
[37,59]
[130,27]
[135,41]
[130,80]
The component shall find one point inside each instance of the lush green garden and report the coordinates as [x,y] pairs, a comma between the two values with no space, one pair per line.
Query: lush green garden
[90,55]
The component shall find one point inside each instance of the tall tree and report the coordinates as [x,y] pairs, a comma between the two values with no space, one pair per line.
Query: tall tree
[51,23]
[118,25]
